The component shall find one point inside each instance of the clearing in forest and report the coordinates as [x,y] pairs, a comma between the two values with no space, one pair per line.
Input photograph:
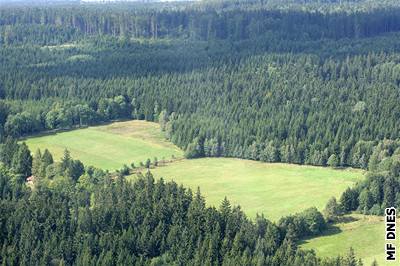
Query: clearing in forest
[365,234]
[272,189]
[110,146]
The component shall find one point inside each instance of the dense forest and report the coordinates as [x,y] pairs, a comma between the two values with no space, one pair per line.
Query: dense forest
[203,22]
[382,188]
[306,82]
[273,107]
[80,215]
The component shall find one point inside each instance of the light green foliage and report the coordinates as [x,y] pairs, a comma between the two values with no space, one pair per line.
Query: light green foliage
[273,189]
[110,146]
[333,161]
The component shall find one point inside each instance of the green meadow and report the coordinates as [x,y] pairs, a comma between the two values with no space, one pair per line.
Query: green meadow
[110,146]
[272,189]
[365,234]
[275,189]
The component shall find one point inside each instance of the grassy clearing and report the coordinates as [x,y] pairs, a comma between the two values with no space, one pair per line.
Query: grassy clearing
[364,233]
[110,146]
[272,189]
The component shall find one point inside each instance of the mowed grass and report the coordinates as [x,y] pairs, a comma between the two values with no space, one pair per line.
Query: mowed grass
[275,190]
[110,146]
[366,234]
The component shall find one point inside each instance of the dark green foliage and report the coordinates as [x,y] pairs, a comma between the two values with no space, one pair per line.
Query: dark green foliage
[66,160]
[351,258]
[37,169]
[7,151]
[295,86]
[75,170]
[47,158]
[332,210]
[232,21]
[307,223]
[8,188]
[22,161]
[194,149]
[134,223]
[148,163]
[124,170]
[71,168]
[381,189]
[307,82]
[97,219]
[349,200]
[365,200]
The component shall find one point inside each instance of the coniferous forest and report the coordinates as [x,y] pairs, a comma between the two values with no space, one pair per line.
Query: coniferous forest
[294,81]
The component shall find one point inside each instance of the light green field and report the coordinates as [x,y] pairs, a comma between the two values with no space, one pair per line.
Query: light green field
[273,189]
[366,235]
[110,146]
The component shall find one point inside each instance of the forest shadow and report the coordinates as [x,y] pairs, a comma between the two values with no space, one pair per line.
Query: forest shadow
[332,228]
[347,219]
[54,132]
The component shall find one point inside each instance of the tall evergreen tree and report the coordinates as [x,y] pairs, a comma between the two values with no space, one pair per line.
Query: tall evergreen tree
[22,161]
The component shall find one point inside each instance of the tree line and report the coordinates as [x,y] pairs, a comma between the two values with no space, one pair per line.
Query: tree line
[76,215]
[293,108]
[241,79]
[204,21]
[270,98]
[381,189]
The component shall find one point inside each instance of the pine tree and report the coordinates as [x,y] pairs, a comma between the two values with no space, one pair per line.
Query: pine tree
[351,258]
[349,200]
[163,119]
[148,163]
[332,210]
[390,189]
[365,200]
[66,160]
[225,207]
[7,151]
[333,161]
[22,161]
[37,164]
[47,158]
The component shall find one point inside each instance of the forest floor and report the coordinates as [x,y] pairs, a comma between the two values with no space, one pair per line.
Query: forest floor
[272,189]
[110,146]
[365,234]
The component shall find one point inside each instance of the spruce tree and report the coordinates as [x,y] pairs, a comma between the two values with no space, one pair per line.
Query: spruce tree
[22,161]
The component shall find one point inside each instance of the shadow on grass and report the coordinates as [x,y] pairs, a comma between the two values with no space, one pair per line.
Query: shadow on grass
[74,127]
[347,219]
[332,228]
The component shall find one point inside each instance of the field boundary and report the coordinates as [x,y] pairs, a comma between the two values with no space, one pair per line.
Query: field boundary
[51,132]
